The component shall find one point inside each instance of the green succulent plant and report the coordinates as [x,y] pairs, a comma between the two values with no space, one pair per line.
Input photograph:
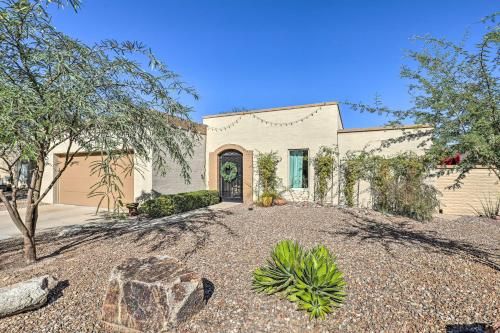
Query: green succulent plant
[310,278]
[278,274]
[319,285]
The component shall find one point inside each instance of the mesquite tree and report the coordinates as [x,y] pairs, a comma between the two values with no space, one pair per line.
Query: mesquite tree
[56,90]
[455,91]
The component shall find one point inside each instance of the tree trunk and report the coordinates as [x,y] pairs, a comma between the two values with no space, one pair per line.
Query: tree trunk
[29,238]
[29,249]
[32,212]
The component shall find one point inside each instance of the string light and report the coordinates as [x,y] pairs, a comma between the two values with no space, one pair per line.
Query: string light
[267,122]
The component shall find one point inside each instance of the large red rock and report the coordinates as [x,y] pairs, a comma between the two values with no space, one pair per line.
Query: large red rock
[151,295]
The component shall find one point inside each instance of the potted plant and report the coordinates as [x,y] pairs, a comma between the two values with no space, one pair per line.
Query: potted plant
[267,164]
[132,208]
[267,199]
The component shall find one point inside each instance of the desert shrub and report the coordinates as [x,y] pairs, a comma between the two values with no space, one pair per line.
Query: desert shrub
[158,207]
[490,206]
[267,164]
[165,205]
[397,184]
[411,195]
[324,165]
[309,278]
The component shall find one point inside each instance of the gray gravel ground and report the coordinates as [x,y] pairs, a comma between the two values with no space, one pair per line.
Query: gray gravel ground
[402,275]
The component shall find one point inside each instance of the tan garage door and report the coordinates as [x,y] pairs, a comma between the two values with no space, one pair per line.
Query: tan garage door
[76,181]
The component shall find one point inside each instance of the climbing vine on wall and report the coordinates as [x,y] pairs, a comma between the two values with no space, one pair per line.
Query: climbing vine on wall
[324,166]
[352,174]
[397,184]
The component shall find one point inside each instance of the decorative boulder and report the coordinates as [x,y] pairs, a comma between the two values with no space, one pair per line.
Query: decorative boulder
[26,295]
[151,295]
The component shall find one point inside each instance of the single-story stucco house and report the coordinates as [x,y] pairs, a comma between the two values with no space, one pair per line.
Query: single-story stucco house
[295,133]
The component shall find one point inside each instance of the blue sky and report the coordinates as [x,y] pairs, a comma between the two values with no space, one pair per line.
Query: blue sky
[260,54]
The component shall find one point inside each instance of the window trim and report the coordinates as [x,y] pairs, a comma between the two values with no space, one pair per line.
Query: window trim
[288,169]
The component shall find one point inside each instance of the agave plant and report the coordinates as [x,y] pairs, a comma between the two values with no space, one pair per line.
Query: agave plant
[309,278]
[319,285]
[279,272]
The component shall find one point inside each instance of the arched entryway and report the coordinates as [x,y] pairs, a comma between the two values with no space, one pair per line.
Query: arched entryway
[239,190]
[231,176]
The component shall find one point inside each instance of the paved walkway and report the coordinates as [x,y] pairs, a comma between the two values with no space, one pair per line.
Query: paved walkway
[51,216]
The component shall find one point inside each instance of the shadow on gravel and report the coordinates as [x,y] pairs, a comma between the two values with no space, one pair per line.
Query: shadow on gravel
[368,229]
[57,292]
[470,328]
[208,288]
[156,234]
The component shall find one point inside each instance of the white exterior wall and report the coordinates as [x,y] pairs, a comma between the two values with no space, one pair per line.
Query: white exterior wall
[357,140]
[252,134]
[143,181]
[370,139]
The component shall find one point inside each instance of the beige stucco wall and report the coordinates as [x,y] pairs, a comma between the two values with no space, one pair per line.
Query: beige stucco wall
[173,182]
[479,185]
[320,129]
[142,178]
[370,140]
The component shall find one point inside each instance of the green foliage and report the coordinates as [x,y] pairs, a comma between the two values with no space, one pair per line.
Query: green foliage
[397,184]
[456,96]
[109,187]
[165,205]
[111,97]
[228,171]
[279,273]
[98,97]
[158,207]
[490,206]
[310,279]
[267,164]
[324,165]
[352,168]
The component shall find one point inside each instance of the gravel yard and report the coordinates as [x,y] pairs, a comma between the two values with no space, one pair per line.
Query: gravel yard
[402,276]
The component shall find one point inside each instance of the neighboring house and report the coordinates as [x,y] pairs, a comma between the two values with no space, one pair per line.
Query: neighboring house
[296,133]
[74,185]
[23,170]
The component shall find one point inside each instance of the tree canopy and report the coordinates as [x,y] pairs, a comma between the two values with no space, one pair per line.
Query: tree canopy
[455,92]
[111,97]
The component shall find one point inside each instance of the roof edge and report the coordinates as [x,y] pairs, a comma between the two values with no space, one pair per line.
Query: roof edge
[188,125]
[381,128]
[283,108]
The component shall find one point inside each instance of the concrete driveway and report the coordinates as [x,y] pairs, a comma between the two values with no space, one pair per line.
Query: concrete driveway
[51,216]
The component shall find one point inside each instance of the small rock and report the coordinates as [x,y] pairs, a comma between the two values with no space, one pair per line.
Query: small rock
[26,295]
[151,295]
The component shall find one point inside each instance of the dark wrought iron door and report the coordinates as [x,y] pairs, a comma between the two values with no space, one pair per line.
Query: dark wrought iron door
[231,190]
